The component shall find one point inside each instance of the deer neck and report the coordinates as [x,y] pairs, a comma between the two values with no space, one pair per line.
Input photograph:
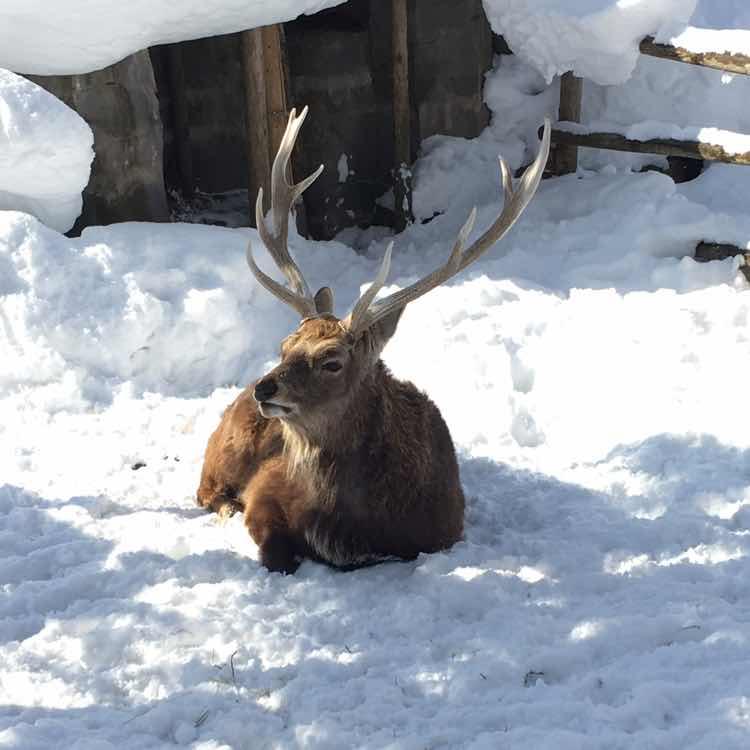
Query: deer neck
[344,430]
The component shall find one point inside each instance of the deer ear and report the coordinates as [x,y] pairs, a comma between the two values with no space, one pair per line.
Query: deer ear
[380,333]
[324,301]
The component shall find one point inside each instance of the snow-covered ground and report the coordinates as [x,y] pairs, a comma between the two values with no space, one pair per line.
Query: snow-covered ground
[593,377]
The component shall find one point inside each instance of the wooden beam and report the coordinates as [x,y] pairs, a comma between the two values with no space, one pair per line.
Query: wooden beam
[726,61]
[571,96]
[708,251]
[662,146]
[266,107]
[401,115]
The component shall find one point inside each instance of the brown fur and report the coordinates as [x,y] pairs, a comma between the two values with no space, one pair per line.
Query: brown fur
[362,469]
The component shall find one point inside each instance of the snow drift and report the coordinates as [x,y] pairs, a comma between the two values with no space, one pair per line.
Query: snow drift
[45,153]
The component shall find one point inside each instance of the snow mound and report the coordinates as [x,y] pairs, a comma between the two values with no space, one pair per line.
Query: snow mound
[597,39]
[45,153]
[78,36]
[118,304]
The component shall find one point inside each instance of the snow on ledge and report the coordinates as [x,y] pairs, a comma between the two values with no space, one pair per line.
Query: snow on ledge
[701,41]
[730,141]
[597,39]
[45,153]
[79,36]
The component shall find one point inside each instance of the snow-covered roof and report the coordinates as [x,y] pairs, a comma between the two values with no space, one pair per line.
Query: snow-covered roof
[48,37]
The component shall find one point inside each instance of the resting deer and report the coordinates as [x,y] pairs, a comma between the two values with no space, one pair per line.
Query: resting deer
[329,455]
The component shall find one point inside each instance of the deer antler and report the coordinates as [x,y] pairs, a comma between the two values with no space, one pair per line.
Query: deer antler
[366,312]
[283,196]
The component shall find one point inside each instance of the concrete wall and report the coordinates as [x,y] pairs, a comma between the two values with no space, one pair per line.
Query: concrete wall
[120,104]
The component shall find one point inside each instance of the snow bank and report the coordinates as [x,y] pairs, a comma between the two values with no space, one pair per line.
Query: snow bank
[45,153]
[78,36]
[118,304]
[597,39]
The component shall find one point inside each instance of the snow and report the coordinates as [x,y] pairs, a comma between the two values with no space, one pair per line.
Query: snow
[47,37]
[732,143]
[695,39]
[598,39]
[592,375]
[45,153]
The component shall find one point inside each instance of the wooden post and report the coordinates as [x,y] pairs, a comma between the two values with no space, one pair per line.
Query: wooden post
[401,115]
[571,96]
[266,107]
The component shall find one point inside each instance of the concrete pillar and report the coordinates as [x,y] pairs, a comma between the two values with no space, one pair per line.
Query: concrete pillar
[120,104]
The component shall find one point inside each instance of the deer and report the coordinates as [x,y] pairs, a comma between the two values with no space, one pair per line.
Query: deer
[328,455]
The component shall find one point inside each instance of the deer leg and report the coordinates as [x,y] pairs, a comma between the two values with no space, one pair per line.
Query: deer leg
[267,525]
[224,502]
[278,553]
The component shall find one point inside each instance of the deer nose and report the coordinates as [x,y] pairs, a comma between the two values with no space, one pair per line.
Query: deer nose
[264,389]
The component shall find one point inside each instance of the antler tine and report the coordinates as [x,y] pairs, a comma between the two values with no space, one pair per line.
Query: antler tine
[364,302]
[304,306]
[515,200]
[514,204]
[283,196]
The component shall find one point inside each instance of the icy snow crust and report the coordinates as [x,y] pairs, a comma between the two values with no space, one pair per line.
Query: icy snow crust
[587,371]
[45,153]
[50,37]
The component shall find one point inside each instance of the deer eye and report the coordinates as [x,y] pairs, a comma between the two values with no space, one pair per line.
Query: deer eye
[332,366]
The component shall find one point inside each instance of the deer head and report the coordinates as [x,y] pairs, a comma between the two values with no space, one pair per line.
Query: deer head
[326,358]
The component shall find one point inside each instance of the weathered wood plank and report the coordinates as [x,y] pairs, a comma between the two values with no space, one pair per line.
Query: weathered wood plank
[662,146]
[401,115]
[708,251]
[266,108]
[571,96]
[726,61]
